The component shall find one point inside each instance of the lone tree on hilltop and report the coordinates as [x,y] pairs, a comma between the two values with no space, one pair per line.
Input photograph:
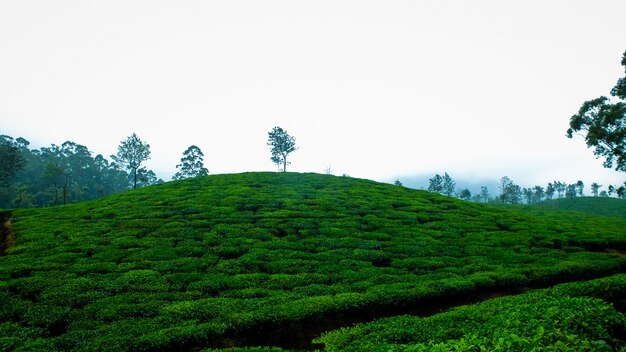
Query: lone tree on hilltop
[605,125]
[131,153]
[282,144]
[191,164]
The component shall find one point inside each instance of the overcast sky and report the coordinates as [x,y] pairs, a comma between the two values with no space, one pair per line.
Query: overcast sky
[374,89]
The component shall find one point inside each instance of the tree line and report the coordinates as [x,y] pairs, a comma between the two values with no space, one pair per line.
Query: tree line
[70,172]
[512,193]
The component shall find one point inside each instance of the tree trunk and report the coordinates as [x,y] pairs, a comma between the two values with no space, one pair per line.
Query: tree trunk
[285,163]
[135,178]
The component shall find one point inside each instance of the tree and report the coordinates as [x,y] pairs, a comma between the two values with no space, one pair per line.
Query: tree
[580,188]
[571,191]
[448,185]
[550,191]
[397,182]
[11,159]
[595,187]
[282,144]
[528,193]
[131,153]
[191,164]
[147,177]
[484,194]
[465,194]
[603,125]
[509,191]
[560,188]
[435,184]
[538,194]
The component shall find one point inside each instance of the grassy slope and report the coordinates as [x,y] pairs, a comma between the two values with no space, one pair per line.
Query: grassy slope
[594,205]
[192,262]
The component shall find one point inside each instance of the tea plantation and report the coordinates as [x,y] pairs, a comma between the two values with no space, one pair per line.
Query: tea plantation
[270,259]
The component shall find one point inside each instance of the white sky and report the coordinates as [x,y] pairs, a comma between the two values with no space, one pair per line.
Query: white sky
[375,89]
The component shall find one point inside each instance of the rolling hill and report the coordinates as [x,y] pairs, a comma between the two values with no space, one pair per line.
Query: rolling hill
[273,259]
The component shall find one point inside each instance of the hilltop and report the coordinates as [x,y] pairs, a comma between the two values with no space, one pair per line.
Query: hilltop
[229,260]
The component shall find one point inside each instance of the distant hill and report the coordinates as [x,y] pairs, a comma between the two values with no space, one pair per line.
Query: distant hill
[271,259]
[593,205]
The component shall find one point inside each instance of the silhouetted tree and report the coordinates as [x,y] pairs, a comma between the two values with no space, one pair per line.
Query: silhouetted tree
[571,191]
[604,125]
[465,194]
[448,185]
[550,191]
[484,194]
[191,164]
[146,178]
[560,188]
[131,153]
[580,188]
[397,182]
[435,184]
[528,193]
[595,188]
[509,191]
[538,194]
[282,144]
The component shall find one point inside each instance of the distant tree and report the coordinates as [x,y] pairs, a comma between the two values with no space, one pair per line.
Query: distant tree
[282,144]
[465,194]
[612,190]
[621,192]
[131,153]
[397,182]
[580,188]
[604,125]
[146,178]
[435,184]
[484,194]
[191,164]
[57,179]
[571,191]
[603,194]
[595,188]
[11,159]
[510,193]
[560,188]
[448,185]
[528,194]
[550,191]
[538,194]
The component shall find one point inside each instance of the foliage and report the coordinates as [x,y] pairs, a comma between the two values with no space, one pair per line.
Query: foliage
[282,144]
[58,175]
[510,193]
[191,164]
[198,261]
[572,317]
[603,124]
[442,184]
[11,160]
[131,153]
